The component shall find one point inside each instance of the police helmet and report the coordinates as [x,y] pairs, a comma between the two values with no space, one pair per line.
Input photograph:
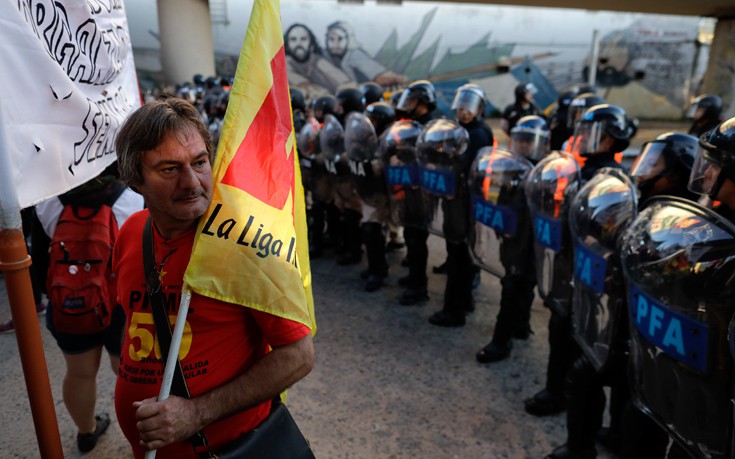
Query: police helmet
[210,82]
[198,79]
[565,100]
[669,154]
[585,88]
[715,160]
[324,106]
[470,97]
[579,105]
[598,123]
[298,101]
[418,92]
[381,115]
[371,92]
[525,88]
[710,104]
[530,138]
[350,99]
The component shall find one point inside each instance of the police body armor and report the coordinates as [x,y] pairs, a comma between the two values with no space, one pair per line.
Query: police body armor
[366,166]
[599,214]
[440,151]
[550,187]
[678,260]
[397,148]
[499,218]
[307,141]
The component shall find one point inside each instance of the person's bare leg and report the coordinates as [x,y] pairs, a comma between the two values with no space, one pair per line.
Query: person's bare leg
[80,388]
[115,363]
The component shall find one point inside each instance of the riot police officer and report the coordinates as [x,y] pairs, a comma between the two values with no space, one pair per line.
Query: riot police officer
[577,107]
[705,112]
[298,109]
[713,173]
[418,102]
[345,198]
[469,105]
[322,209]
[523,106]
[366,167]
[559,129]
[664,165]
[528,139]
[678,266]
[602,131]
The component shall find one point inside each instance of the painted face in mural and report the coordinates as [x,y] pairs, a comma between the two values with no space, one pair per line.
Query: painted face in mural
[337,42]
[299,44]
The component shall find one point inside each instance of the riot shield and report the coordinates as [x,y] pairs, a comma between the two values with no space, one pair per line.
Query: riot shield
[366,166]
[332,142]
[439,151]
[499,217]
[320,183]
[678,260]
[599,214]
[397,149]
[550,187]
[307,142]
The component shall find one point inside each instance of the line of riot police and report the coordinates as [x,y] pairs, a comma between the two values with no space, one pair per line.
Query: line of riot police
[637,274]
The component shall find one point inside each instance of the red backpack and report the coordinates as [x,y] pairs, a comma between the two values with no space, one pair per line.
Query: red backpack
[80,284]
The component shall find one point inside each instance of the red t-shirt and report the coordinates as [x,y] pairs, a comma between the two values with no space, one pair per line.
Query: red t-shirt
[220,341]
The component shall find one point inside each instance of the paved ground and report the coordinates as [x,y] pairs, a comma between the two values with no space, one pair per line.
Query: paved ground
[386,383]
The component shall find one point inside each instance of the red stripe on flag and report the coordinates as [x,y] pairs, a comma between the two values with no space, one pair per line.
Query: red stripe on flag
[260,166]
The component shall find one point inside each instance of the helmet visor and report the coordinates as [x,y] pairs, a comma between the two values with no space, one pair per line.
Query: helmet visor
[588,136]
[650,163]
[469,101]
[408,101]
[529,143]
[705,173]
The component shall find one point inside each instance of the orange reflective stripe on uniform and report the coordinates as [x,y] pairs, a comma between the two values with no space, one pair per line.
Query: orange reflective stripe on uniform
[487,181]
[573,149]
[561,184]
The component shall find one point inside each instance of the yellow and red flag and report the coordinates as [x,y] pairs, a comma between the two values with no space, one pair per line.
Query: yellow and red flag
[251,246]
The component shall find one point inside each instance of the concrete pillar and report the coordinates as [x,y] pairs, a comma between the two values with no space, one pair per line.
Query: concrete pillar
[720,76]
[186,39]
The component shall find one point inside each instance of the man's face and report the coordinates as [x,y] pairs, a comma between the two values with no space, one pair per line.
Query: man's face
[299,44]
[522,146]
[465,116]
[177,182]
[337,42]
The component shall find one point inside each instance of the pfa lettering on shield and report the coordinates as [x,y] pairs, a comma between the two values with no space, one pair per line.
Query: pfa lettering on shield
[676,334]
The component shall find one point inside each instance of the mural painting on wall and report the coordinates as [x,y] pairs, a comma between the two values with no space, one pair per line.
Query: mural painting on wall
[655,56]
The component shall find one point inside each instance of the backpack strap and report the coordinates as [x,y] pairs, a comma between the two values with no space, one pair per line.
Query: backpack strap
[163,332]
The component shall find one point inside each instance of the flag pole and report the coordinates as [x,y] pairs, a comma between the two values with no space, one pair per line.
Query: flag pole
[14,263]
[173,352]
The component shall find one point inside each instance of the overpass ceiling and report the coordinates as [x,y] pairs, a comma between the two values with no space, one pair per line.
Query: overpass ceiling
[714,8]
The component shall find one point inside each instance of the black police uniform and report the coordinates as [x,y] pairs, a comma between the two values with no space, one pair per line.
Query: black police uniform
[458,298]
[516,111]
[417,251]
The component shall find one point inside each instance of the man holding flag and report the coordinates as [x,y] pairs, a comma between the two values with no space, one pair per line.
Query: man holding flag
[237,240]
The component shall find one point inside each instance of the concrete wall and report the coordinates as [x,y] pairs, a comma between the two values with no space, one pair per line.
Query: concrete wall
[720,76]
